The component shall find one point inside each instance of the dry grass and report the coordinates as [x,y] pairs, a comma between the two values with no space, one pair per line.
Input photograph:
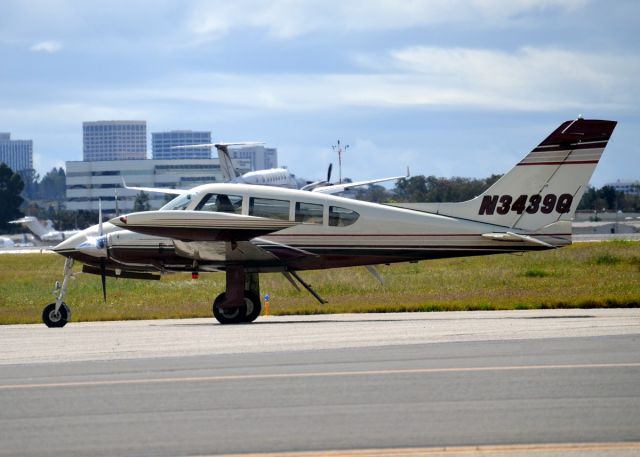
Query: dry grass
[583,275]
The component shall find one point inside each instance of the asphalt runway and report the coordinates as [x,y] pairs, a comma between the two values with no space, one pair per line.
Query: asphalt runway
[561,382]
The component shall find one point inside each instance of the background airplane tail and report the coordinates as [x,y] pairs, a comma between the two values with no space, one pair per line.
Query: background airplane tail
[229,173]
[34,225]
[547,185]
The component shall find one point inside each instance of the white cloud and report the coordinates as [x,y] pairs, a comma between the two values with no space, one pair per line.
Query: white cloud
[49,47]
[290,18]
[529,79]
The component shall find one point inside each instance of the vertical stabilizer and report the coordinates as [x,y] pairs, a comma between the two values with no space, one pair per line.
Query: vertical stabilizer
[34,225]
[229,173]
[546,186]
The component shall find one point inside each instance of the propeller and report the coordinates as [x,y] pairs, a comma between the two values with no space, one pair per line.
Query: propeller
[329,172]
[103,260]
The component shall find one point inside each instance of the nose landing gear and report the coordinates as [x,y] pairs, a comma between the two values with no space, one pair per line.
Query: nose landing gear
[57,314]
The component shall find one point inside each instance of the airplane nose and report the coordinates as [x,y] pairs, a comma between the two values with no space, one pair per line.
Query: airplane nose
[94,246]
[70,244]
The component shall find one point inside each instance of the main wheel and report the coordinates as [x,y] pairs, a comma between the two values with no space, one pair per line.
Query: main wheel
[51,318]
[253,306]
[228,315]
[252,309]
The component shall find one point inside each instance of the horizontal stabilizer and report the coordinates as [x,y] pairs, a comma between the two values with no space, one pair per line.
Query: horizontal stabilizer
[510,236]
[160,190]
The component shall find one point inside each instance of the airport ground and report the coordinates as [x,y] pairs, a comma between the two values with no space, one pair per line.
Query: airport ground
[528,382]
[584,275]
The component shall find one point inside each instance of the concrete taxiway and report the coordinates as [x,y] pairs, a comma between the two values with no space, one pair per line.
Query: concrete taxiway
[188,337]
[558,382]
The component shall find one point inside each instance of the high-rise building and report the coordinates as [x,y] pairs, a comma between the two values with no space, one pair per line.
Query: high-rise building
[163,142]
[114,140]
[17,154]
[261,158]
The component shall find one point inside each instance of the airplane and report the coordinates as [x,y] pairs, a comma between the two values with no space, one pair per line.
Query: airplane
[6,242]
[245,230]
[44,232]
[279,177]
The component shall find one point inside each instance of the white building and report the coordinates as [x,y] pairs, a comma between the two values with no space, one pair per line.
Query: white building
[626,187]
[88,182]
[261,158]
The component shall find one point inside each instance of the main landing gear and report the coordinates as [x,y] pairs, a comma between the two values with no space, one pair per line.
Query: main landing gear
[241,301]
[57,314]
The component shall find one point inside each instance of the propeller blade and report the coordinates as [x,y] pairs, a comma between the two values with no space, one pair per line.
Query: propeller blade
[103,277]
[329,172]
[100,232]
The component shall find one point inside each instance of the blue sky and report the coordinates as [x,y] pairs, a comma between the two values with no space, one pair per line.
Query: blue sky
[446,87]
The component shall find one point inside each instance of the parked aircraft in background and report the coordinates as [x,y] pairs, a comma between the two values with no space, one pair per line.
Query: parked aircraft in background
[44,232]
[6,242]
[244,230]
[280,177]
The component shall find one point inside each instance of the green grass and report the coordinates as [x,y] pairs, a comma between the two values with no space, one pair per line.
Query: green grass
[584,275]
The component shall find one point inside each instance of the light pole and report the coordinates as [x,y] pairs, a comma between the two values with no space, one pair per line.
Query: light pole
[338,147]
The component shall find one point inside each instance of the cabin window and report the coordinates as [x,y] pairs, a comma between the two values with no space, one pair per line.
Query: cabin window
[179,203]
[341,217]
[221,203]
[268,207]
[308,213]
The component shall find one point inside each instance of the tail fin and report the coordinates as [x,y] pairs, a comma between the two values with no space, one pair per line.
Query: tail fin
[34,225]
[547,185]
[229,173]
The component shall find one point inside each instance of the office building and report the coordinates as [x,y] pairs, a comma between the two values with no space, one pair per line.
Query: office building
[163,144]
[261,158]
[17,154]
[114,140]
[626,187]
[88,182]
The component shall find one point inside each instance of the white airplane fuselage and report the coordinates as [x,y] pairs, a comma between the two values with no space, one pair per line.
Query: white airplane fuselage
[344,233]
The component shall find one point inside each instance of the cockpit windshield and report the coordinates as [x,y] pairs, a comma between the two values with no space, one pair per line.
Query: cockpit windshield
[179,203]
[221,203]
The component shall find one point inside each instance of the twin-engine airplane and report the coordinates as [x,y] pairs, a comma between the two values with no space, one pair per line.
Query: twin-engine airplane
[245,230]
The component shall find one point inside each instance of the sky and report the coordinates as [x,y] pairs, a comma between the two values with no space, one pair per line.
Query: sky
[445,87]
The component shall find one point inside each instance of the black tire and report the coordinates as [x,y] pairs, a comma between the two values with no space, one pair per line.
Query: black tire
[254,307]
[53,319]
[228,315]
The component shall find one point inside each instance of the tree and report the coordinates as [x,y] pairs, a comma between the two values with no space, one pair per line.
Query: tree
[53,185]
[11,185]
[141,202]
[432,189]
[30,179]
[373,193]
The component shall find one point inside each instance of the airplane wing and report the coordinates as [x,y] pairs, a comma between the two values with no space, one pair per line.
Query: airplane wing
[200,225]
[156,189]
[337,188]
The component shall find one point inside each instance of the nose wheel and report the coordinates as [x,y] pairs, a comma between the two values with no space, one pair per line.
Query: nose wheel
[56,318]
